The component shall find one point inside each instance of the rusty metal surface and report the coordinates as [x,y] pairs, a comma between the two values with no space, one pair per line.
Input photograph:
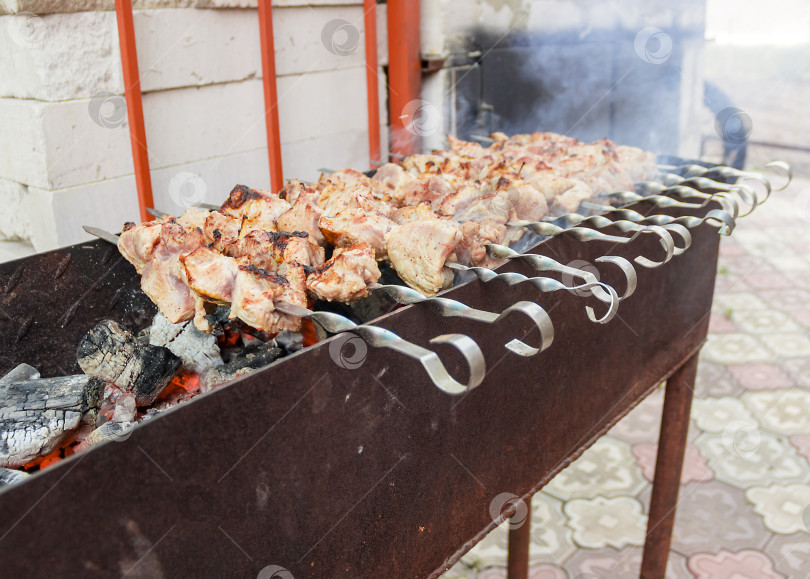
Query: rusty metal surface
[668,466]
[354,472]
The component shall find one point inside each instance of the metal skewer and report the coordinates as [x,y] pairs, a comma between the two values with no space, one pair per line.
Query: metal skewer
[452,308]
[546,284]
[716,218]
[587,234]
[382,338]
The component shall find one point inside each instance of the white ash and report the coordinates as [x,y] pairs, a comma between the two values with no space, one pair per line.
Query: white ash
[198,350]
[116,431]
[10,477]
[124,408]
[21,373]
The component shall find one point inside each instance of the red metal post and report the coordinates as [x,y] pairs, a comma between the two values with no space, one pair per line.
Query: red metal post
[372,87]
[405,74]
[132,93]
[668,465]
[270,94]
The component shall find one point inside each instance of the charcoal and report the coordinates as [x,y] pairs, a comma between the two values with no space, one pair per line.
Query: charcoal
[10,477]
[21,373]
[252,360]
[36,415]
[290,341]
[198,350]
[113,354]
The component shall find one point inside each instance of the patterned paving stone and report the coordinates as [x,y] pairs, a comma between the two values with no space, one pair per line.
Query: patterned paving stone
[715,414]
[551,539]
[767,280]
[695,467]
[743,456]
[714,380]
[789,262]
[802,444]
[790,299]
[802,317]
[643,423]
[607,468]
[739,301]
[788,345]
[746,564]
[601,522]
[536,572]
[711,516]
[783,508]
[790,554]
[781,411]
[763,321]
[728,283]
[612,564]
[720,324]
[760,376]
[730,248]
[799,370]
[734,349]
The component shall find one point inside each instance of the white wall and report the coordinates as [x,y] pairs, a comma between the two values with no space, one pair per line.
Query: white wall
[65,157]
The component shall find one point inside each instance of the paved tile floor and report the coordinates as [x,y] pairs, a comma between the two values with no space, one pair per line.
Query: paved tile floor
[744,508]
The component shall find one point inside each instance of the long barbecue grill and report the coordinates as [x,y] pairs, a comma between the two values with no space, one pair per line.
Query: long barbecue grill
[315,467]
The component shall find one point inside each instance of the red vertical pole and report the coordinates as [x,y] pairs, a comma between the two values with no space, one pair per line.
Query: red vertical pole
[372,88]
[132,93]
[405,73]
[270,94]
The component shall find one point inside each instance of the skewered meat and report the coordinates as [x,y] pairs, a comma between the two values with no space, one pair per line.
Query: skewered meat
[254,293]
[345,277]
[356,225]
[258,209]
[419,249]
[211,274]
[388,180]
[260,248]
[137,242]
[303,216]
[163,278]
[221,230]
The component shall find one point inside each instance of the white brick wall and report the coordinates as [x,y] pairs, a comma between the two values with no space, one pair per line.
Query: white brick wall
[65,157]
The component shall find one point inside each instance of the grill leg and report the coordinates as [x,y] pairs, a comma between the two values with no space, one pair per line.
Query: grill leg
[671,447]
[517,564]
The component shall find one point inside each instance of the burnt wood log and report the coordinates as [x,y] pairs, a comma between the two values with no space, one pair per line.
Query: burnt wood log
[36,415]
[113,354]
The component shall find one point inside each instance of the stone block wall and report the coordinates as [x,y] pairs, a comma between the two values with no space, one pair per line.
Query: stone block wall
[65,157]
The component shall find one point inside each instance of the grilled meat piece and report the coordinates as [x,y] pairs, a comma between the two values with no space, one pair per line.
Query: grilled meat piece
[388,180]
[258,209]
[193,217]
[137,242]
[357,225]
[164,279]
[419,249]
[211,274]
[471,250]
[254,293]
[346,276]
[221,230]
[303,216]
